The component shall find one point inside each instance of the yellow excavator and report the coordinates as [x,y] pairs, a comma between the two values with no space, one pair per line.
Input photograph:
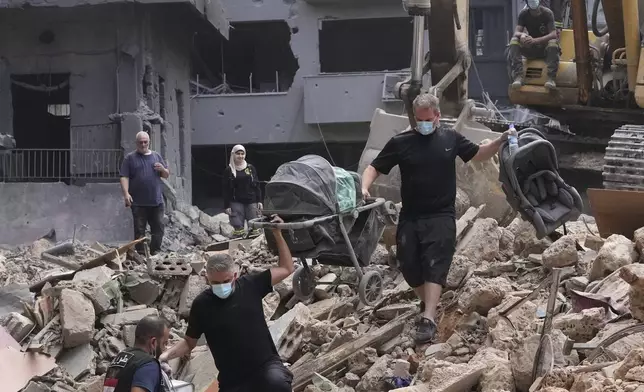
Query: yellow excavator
[600,96]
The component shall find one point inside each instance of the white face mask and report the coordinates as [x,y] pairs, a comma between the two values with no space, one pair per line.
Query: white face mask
[533,4]
[222,290]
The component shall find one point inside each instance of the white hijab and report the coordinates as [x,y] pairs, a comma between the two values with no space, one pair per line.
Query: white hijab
[233,166]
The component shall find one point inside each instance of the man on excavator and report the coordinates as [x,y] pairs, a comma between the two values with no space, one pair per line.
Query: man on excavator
[426,234]
[535,37]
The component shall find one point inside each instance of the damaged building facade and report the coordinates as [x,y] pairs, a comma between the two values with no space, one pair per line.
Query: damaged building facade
[305,76]
[78,80]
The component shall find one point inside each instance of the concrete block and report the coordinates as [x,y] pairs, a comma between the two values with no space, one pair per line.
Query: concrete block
[561,253]
[287,332]
[99,275]
[390,312]
[145,292]
[77,361]
[77,318]
[128,318]
[194,286]
[128,335]
[17,325]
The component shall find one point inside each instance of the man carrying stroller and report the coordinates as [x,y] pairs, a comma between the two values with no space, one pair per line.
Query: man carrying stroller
[426,234]
[231,316]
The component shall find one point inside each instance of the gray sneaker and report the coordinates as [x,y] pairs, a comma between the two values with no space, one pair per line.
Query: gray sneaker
[425,331]
[550,84]
[518,82]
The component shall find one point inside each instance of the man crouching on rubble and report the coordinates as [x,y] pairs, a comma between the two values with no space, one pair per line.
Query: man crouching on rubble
[231,315]
[426,234]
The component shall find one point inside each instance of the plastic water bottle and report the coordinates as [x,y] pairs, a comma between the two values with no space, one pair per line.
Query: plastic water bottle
[513,139]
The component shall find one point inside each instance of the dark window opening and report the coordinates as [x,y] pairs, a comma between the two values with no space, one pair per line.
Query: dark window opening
[41,128]
[488,31]
[256,59]
[365,45]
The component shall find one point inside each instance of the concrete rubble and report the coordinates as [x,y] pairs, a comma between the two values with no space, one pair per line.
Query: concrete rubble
[490,319]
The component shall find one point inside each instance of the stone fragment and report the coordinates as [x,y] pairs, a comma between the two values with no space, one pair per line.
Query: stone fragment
[634,276]
[481,242]
[110,347]
[636,374]
[78,361]
[525,239]
[588,382]
[194,286]
[99,275]
[458,270]
[182,219]
[129,317]
[361,361]
[459,377]
[497,375]
[438,351]
[34,386]
[351,379]
[462,203]
[390,312]
[77,318]
[344,290]
[285,287]
[127,334]
[92,384]
[322,332]
[617,252]
[209,223]
[593,242]
[638,237]
[561,253]
[288,331]
[372,381]
[522,358]
[480,295]
[17,325]
[143,290]
[343,336]
[633,359]
[581,327]
[325,285]
[506,244]
[270,304]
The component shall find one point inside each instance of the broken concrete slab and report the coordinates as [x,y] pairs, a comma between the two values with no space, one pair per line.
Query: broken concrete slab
[525,238]
[127,318]
[142,289]
[480,295]
[616,252]
[481,242]
[201,368]
[561,253]
[193,287]
[373,379]
[633,359]
[458,270]
[522,358]
[77,361]
[23,367]
[390,312]
[17,325]
[288,331]
[581,327]
[99,275]
[77,318]
[497,375]
[634,276]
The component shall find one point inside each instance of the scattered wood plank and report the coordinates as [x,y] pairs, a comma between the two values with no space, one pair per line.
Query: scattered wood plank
[333,360]
[96,262]
[59,261]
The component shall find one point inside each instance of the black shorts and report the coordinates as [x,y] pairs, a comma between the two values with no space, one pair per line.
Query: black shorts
[425,248]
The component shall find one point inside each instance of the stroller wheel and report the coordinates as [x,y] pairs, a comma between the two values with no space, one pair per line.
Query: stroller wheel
[370,288]
[303,283]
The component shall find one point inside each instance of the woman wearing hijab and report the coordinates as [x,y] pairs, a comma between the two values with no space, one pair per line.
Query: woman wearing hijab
[242,194]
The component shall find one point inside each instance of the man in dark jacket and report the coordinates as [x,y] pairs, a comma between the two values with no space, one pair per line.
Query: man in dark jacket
[137,369]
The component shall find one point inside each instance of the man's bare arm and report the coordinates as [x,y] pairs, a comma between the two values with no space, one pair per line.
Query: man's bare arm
[184,347]
[125,185]
[518,31]
[550,36]
[368,177]
[285,266]
[488,150]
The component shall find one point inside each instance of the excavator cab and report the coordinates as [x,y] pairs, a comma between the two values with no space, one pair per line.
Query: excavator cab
[533,91]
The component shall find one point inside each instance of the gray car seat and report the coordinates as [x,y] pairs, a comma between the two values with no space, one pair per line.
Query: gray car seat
[530,178]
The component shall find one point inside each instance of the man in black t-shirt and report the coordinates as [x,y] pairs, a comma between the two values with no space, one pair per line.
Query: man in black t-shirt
[535,37]
[231,316]
[426,236]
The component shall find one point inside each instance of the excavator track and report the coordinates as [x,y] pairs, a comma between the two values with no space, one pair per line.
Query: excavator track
[624,159]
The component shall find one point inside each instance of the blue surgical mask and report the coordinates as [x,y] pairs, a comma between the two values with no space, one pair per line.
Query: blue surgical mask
[222,290]
[533,4]
[425,127]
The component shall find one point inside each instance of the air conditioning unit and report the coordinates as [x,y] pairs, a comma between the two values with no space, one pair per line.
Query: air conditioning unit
[389,85]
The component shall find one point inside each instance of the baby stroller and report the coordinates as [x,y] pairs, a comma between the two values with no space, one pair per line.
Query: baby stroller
[327,220]
[530,179]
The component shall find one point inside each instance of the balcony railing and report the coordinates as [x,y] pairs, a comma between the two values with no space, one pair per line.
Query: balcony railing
[48,165]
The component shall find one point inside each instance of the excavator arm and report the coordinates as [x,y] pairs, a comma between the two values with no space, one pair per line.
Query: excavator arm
[448,58]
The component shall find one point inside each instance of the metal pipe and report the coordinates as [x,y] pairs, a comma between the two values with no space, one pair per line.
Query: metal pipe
[582,50]
[632,38]
[418,46]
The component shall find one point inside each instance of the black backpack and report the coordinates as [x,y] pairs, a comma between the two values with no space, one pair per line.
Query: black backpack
[530,178]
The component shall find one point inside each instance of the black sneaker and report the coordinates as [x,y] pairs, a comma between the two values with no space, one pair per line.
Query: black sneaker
[425,331]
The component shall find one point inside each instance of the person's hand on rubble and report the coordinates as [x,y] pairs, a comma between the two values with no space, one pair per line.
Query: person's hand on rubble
[128,200]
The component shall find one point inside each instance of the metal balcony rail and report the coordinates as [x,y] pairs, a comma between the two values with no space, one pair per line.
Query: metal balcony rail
[49,165]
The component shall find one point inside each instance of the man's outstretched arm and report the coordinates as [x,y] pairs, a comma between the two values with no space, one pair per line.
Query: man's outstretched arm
[285,266]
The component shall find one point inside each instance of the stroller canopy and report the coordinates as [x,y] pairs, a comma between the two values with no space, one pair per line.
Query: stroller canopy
[310,186]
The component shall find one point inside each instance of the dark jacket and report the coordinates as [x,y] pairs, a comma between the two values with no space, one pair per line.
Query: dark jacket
[121,371]
[244,189]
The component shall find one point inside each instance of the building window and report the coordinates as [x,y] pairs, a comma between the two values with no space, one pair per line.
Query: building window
[365,45]
[256,59]
[488,31]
